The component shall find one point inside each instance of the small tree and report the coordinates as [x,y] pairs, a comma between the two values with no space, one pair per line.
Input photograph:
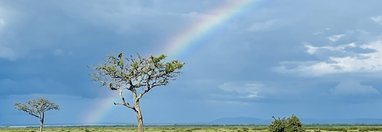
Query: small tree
[37,108]
[137,75]
[290,124]
[277,125]
[293,124]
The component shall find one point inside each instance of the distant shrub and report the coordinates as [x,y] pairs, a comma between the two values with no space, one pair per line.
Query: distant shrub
[336,129]
[290,124]
[293,124]
[277,125]
[243,130]
[367,129]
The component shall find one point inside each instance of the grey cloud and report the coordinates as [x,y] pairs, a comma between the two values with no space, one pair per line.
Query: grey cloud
[55,41]
[354,88]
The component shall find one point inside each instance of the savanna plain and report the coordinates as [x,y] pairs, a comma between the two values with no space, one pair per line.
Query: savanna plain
[308,128]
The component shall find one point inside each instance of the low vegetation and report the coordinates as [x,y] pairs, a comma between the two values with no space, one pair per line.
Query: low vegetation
[290,124]
[246,128]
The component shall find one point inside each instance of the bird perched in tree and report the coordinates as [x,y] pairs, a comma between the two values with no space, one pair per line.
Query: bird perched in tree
[111,87]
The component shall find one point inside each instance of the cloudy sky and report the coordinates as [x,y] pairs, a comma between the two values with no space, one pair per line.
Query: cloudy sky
[316,59]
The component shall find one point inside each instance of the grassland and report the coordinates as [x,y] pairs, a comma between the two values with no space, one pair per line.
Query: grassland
[308,128]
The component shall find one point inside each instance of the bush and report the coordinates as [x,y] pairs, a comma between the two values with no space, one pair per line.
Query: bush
[290,124]
[277,125]
[293,124]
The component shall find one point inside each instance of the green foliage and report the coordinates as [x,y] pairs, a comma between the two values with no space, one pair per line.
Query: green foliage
[118,72]
[277,125]
[290,124]
[293,124]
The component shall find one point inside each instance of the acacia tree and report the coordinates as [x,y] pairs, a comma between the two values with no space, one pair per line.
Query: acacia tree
[290,124]
[293,124]
[37,108]
[137,75]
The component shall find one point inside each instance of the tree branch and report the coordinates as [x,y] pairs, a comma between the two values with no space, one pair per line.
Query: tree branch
[124,103]
[141,95]
[31,113]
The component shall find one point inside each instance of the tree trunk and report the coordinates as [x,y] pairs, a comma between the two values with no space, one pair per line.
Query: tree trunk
[40,126]
[139,117]
[42,122]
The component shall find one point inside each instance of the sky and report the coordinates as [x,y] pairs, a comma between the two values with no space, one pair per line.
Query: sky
[262,58]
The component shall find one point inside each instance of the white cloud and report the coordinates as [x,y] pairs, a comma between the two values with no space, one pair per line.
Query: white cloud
[314,49]
[311,49]
[336,37]
[377,19]
[353,88]
[243,90]
[355,63]
[7,53]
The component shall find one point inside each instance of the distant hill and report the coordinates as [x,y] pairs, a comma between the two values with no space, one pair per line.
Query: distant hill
[226,121]
[257,121]
[240,120]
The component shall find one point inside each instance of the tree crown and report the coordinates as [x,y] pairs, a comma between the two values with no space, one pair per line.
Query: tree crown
[118,72]
[36,107]
[290,124]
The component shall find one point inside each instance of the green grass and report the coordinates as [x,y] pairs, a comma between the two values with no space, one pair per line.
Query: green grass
[308,128]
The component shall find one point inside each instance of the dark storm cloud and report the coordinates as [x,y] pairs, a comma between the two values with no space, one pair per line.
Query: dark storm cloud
[47,46]
[54,44]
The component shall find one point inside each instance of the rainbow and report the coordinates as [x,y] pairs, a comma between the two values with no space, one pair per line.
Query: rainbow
[99,110]
[177,45]
[190,37]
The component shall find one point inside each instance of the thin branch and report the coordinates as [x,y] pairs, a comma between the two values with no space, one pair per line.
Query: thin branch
[124,103]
